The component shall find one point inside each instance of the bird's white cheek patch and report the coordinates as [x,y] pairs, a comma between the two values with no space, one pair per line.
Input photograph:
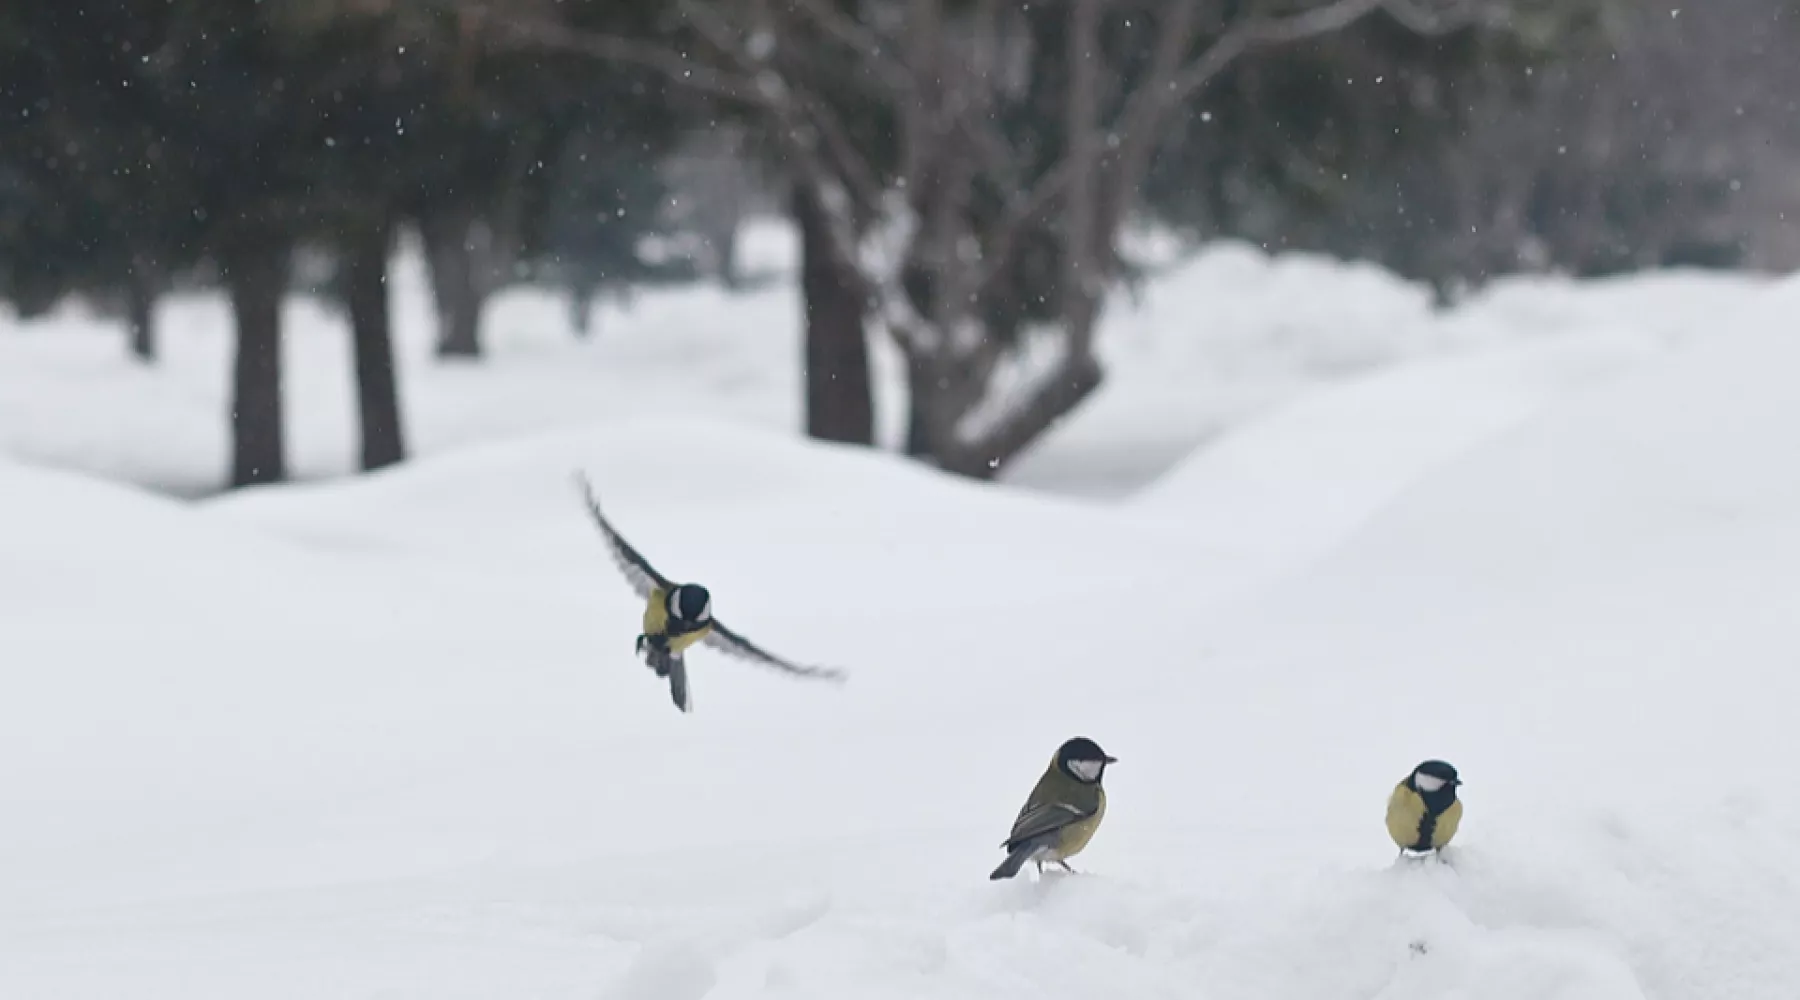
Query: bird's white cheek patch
[1086,770]
[1427,783]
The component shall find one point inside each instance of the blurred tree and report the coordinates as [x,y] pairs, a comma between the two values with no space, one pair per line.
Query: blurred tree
[419,118]
[715,184]
[156,136]
[468,193]
[159,111]
[604,199]
[365,250]
[840,400]
[959,170]
[1587,136]
[504,118]
[92,199]
[359,152]
[946,219]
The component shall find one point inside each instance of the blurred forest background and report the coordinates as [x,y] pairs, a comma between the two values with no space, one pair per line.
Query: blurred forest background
[960,172]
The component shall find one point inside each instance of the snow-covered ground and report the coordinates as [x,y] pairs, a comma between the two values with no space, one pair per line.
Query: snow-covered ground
[385,737]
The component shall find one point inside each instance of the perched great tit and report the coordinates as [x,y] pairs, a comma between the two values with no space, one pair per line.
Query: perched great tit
[676,616]
[1424,811]
[1062,812]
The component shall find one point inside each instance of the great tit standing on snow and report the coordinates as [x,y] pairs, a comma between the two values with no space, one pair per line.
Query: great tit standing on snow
[1424,811]
[676,616]
[1062,812]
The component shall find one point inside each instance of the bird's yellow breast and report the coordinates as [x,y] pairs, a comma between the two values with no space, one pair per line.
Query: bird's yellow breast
[1406,815]
[1072,838]
[656,612]
[656,623]
[680,643]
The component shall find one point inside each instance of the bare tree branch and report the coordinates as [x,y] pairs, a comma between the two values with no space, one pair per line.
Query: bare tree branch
[1052,398]
[887,222]
[1018,215]
[1169,84]
[819,148]
[1176,30]
[1332,17]
[876,51]
[1420,17]
[673,66]
[795,114]
[799,114]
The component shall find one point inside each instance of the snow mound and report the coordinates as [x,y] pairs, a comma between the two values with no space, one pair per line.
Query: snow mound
[66,539]
[1280,491]
[1649,512]
[455,656]
[388,738]
[707,499]
[1215,342]
[1591,615]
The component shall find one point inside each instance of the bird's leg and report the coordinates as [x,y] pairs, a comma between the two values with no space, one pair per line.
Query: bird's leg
[1040,865]
[1065,867]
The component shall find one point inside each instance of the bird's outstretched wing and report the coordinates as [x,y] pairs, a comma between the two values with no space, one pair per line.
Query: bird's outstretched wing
[1035,821]
[642,576]
[726,641]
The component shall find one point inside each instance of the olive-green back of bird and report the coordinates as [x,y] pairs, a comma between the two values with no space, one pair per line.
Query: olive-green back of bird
[1407,817]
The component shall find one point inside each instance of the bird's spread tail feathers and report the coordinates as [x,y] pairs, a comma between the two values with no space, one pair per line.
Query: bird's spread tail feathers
[1014,861]
[666,664]
[678,684]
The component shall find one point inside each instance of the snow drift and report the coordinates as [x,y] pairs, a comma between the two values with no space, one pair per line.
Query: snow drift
[1592,616]
[1279,492]
[388,739]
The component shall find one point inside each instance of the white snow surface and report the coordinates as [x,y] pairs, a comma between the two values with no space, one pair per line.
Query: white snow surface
[386,738]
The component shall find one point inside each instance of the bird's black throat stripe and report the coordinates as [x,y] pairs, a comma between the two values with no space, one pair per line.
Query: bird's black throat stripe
[1427,828]
[1435,804]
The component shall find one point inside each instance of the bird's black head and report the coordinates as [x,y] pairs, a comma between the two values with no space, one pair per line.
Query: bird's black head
[1439,770]
[690,602]
[1434,777]
[1083,760]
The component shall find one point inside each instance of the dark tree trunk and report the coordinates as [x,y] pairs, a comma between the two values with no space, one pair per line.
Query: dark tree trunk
[377,390]
[918,410]
[839,399]
[581,310]
[140,312]
[724,242]
[454,282]
[256,274]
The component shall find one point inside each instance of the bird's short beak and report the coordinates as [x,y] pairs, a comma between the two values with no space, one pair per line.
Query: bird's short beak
[1112,760]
